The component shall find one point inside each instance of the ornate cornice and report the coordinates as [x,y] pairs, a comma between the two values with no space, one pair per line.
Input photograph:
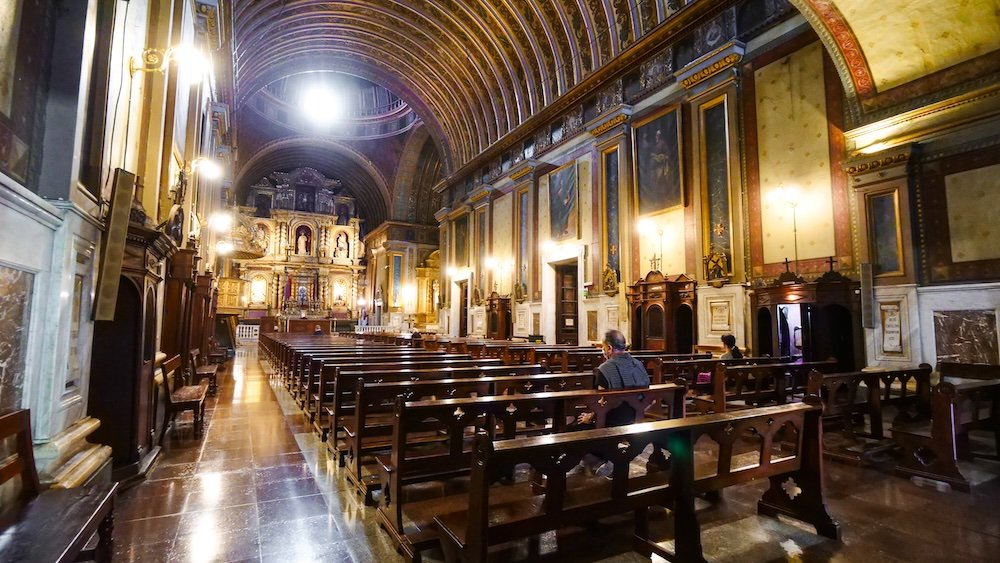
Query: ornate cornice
[877,163]
[609,125]
[711,70]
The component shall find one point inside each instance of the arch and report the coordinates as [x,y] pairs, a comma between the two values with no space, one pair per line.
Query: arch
[361,178]
[406,172]
[863,44]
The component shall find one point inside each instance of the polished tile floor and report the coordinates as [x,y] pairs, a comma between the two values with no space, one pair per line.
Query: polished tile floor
[260,487]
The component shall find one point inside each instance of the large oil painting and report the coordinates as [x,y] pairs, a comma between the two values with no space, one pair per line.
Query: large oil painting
[462,241]
[564,203]
[884,235]
[658,163]
[10,27]
[611,186]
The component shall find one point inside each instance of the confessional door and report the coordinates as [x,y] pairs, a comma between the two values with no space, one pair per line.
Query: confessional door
[567,321]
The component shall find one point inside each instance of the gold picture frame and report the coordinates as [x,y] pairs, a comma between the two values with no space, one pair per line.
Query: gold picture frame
[645,183]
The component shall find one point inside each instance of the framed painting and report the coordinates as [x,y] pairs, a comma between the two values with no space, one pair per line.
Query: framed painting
[656,143]
[462,241]
[884,237]
[564,203]
[610,211]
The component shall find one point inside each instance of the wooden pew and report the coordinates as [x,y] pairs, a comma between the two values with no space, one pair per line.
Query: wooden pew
[756,385]
[52,525]
[179,397]
[204,371]
[369,429]
[323,375]
[848,397]
[298,384]
[781,443]
[932,449]
[409,520]
[345,388]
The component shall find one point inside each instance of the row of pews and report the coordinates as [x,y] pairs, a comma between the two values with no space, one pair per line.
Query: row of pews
[932,424]
[466,444]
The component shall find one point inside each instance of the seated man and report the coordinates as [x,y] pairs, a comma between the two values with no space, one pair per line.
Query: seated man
[619,371]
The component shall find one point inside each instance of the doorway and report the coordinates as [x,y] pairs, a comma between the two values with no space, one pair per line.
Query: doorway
[463,308]
[765,333]
[567,321]
[683,330]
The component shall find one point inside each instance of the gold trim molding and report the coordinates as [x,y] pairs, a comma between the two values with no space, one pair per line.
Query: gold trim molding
[522,173]
[877,163]
[711,70]
[609,125]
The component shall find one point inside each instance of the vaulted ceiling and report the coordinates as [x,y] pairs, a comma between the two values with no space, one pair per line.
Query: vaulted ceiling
[474,70]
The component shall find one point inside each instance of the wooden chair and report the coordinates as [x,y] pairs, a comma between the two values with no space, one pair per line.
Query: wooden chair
[207,371]
[53,525]
[180,397]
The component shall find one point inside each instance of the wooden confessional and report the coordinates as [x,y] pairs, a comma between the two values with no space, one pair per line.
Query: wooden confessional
[810,320]
[498,321]
[662,311]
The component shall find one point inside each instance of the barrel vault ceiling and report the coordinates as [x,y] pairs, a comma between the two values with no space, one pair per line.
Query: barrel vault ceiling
[474,70]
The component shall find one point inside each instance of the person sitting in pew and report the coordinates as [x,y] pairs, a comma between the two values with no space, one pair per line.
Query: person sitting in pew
[732,350]
[619,371]
[318,331]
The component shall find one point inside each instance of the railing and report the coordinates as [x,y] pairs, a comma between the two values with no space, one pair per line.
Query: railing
[372,329]
[246,333]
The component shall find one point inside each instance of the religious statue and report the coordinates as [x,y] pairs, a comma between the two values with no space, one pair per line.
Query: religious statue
[609,281]
[342,250]
[302,240]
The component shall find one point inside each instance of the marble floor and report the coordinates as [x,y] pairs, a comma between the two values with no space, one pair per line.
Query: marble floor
[260,487]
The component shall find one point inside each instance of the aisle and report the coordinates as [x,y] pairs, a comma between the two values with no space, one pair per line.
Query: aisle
[258,487]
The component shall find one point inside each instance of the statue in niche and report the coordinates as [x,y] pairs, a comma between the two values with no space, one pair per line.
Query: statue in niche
[342,250]
[302,242]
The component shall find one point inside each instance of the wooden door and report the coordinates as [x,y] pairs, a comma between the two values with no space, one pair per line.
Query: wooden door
[567,320]
[463,309]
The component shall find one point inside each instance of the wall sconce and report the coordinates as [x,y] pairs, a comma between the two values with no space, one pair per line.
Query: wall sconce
[224,247]
[220,222]
[648,227]
[207,168]
[157,60]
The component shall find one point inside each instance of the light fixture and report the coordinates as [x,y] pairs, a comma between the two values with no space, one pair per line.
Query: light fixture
[452,271]
[548,246]
[362,302]
[224,247]
[648,227]
[220,222]
[186,56]
[790,197]
[321,105]
[207,168]
[491,263]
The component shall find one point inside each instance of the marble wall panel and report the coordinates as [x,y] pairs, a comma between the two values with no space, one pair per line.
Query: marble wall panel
[15,315]
[968,336]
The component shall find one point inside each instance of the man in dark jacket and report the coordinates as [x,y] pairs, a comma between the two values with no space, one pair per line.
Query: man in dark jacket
[619,371]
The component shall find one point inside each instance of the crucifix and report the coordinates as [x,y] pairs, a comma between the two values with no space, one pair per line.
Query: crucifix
[831,262]
[787,270]
[654,263]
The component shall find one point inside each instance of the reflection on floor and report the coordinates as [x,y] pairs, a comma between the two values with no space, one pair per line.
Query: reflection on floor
[260,486]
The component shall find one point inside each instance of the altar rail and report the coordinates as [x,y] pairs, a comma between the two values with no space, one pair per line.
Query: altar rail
[373,329]
[247,332]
